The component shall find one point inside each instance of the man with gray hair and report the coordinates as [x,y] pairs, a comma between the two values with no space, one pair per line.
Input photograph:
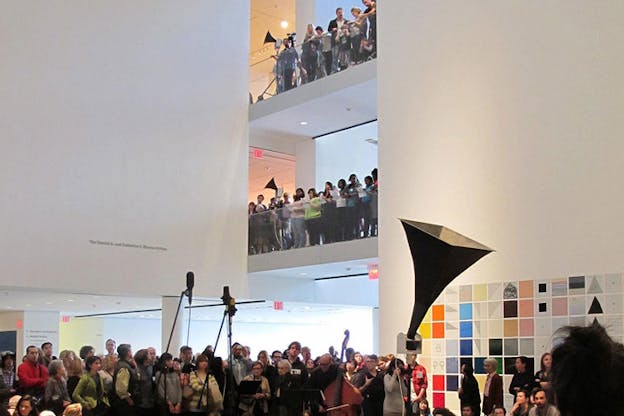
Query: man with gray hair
[493,391]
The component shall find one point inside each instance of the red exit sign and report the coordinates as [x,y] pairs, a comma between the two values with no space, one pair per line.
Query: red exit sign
[258,153]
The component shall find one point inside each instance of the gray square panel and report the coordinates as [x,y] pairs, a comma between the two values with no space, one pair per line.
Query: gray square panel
[510,346]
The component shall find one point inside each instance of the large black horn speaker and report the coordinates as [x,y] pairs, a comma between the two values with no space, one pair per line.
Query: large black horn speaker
[268,38]
[439,255]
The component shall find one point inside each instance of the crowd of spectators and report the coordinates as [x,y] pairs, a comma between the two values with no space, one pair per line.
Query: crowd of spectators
[347,41]
[338,213]
[581,377]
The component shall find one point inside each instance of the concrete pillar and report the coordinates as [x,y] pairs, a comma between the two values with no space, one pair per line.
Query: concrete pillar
[169,309]
[305,12]
[305,169]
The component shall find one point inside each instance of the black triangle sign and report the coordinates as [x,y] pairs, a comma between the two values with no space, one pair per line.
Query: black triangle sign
[595,307]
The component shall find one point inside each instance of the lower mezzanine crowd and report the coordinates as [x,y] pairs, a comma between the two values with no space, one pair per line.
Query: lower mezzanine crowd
[343,212]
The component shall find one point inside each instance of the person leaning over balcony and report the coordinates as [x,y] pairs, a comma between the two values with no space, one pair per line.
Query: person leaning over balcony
[313,217]
[341,210]
[356,31]
[325,56]
[353,207]
[288,60]
[367,200]
[309,52]
[371,14]
[297,221]
[328,219]
[284,221]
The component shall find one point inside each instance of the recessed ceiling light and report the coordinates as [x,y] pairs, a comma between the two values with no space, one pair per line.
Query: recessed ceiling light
[70,300]
[303,123]
[48,303]
[303,274]
[284,24]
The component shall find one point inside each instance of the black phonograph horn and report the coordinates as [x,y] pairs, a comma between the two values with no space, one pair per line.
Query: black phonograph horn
[439,255]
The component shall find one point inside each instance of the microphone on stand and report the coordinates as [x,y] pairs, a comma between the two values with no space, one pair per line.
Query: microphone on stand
[190,283]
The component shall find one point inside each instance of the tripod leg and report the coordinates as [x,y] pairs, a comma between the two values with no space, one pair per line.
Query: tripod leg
[219,334]
[175,320]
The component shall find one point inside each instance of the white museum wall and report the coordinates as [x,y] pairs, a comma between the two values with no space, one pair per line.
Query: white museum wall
[119,122]
[507,128]
[340,154]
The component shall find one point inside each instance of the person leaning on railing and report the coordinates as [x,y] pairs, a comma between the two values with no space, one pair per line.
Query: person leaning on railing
[313,217]
[297,220]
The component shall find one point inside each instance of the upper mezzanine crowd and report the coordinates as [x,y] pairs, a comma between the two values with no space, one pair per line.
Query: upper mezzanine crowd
[345,43]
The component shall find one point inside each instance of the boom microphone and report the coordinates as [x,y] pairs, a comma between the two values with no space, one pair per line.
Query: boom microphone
[190,283]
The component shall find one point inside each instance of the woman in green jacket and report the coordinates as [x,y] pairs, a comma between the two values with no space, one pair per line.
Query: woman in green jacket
[90,390]
[312,217]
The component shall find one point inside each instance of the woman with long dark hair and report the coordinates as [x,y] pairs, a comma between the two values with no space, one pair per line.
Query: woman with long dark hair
[423,408]
[469,390]
[396,389]
[543,378]
[26,406]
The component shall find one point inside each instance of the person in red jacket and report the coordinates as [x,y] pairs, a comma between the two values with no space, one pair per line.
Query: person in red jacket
[32,375]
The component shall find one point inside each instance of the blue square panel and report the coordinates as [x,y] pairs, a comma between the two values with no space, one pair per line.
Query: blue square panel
[478,365]
[465,347]
[452,383]
[465,329]
[465,311]
[452,365]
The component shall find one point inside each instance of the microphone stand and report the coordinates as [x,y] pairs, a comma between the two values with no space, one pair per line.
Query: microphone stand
[230,311]
[186,292]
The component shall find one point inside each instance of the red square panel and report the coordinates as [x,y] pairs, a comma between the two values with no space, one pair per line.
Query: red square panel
[438,329]
[438,400]
[438,383]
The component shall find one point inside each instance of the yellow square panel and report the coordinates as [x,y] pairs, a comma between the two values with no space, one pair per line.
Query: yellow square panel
[425,330]
[479,292]
[481,379]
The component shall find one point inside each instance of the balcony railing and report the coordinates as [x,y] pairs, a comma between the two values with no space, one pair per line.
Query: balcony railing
[313,222]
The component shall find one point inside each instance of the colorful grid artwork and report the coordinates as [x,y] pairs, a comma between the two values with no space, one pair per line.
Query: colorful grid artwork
[465,311]
[526,289]
[437,313]
[503,320]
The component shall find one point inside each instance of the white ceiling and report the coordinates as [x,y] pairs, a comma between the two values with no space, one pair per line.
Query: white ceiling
[75,305]
[332,103]
[319,271]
